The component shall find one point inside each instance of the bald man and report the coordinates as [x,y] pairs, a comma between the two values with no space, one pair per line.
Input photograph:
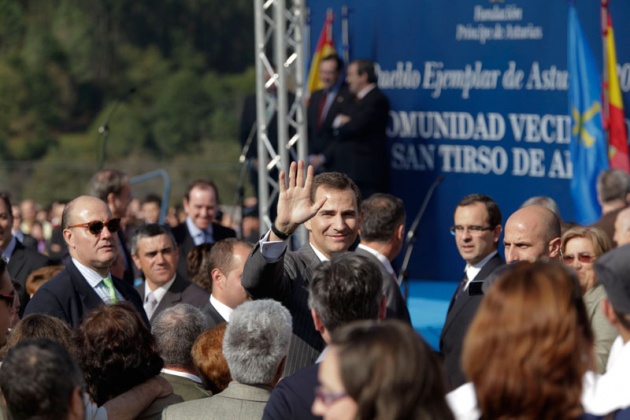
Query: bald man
[532,232]
[622,227]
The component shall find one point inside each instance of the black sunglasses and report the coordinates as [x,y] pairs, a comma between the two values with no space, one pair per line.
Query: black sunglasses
[95,227]
[8,298]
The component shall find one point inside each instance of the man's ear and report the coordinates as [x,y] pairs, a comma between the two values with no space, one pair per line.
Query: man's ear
[554,247]
[217,278]
[76,410]
[68,236]
[496,233]
[400,232]
[319,325]
[136,261]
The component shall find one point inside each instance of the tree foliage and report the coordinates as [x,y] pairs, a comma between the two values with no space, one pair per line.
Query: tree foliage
[168,76]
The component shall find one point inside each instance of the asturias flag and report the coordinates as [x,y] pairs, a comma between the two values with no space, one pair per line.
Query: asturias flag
[588,143]
[615,124]
[324,48]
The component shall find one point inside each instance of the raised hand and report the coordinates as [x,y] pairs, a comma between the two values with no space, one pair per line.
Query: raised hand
[294,203]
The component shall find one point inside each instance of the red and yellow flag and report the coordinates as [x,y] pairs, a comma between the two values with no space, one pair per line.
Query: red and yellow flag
[614,122]
[324,48]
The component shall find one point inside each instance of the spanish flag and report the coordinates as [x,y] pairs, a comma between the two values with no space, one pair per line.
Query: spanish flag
[614,122]
[324,48]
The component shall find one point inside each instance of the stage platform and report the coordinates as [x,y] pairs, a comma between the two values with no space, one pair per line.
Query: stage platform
[428,303]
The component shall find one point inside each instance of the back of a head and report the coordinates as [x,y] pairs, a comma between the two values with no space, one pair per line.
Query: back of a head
[40,326]
[390,372]
[116,351]
[348,288]
[38,379]
[106,182]
[382,214]
[547,202]
[207,353]
[612,272]
[175,330]
[257,341]
[612,184]
[534,336]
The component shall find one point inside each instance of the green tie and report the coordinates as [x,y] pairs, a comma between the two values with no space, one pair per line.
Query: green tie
[113,297]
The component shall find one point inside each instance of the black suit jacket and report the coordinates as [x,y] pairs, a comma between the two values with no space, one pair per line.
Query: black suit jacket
[361,144]
[287,282]
[22,263]
[69,297]
[321,137]
[458,319]
[293,396]
[214,317]
[396,305]
[185,242]
[181,291]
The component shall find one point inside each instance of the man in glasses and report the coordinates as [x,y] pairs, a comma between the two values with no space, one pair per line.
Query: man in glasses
[86,282]
[22,261]
[477,228]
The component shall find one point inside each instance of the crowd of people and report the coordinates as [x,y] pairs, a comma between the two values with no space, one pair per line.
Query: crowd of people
[105,317]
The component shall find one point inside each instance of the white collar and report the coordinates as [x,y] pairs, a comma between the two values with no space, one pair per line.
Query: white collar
[179,373]
[160,291]
[223,310]
[363,92]
[89,274]
[321,256]
[382,258]
[473,270]
[6,254]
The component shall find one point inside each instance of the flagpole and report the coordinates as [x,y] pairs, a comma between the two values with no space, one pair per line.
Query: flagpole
[344,35]
[605,78]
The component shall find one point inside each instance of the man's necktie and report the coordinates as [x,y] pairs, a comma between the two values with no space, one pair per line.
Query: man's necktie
[109,283]
[461,287]
[150,304]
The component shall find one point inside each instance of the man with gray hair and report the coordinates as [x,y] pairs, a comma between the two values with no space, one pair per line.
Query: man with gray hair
[613,189]
[154,251]
[175,330]
[255,346]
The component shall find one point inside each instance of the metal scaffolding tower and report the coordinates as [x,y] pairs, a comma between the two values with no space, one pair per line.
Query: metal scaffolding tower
[279,30]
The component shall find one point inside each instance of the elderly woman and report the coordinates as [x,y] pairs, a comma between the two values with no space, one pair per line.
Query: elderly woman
[117,352]
[380,371]
[530,345]
[581,246]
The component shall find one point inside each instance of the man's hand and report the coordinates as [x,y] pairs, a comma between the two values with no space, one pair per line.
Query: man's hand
[294,203]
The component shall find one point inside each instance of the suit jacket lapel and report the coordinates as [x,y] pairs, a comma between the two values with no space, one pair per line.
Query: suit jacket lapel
[17,261]
[310,259]
[173,295]
[88,296]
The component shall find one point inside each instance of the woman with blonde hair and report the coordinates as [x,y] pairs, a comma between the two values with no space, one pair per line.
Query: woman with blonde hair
[529,345]
[581,247]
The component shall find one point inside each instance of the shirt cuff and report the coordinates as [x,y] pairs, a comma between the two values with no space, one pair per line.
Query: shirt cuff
[272,250]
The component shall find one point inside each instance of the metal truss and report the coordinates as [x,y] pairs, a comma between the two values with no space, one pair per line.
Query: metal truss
[279,31]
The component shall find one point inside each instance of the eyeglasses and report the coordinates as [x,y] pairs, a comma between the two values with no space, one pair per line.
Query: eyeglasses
[473,230]
[9,299]
[96,226]
[583,258]
[328,398]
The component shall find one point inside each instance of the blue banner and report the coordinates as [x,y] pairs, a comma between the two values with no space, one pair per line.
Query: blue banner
[478,93]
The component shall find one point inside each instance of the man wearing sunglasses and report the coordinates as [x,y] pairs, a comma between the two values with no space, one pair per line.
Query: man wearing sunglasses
[476,229]
[86,282]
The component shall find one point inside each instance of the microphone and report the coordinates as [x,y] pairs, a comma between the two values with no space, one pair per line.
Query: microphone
[403,277]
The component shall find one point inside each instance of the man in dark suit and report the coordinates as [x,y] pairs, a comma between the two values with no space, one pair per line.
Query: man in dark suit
[477,230]
[113,187]
[323,106]
[382,238]
[200,203]
[154,251]
[86,282]
[227,260]
[328,206]
[346,289]
[22,261]
[360,149]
